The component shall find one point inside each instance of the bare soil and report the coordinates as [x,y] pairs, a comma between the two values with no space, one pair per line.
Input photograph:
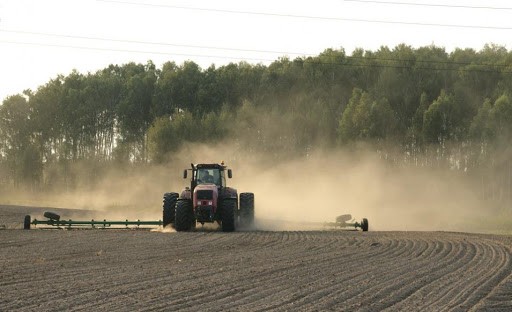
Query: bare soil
[207,270]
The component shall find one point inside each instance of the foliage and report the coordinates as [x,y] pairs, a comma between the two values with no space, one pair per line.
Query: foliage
[366,118]
[417,100]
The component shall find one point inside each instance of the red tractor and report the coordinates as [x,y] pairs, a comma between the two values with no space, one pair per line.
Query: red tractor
[208,200]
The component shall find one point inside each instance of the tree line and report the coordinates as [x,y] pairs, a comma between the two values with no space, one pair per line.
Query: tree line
[416,106]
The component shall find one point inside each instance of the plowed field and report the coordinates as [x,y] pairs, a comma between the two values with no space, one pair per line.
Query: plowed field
[255,270]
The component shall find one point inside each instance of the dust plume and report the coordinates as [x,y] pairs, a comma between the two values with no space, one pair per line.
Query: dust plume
[325,185]
[298,193]
[133,193]
[303,192]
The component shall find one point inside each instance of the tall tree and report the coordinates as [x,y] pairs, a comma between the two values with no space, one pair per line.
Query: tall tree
[442,121]
[134,108]
[22,157]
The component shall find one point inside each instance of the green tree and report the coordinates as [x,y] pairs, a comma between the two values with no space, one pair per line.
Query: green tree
[417,122]
[382,119]
[134,108]
[184,87]
[444,120]
[22,157]
[47,119]
[481,127]
[366,118]
[163,100]
[348,129]
[167,134]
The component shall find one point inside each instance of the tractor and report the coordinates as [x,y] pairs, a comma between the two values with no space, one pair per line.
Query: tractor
[208,200]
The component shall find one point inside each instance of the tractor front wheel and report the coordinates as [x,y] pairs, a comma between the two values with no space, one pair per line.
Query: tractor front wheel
[228,215]
[183,219]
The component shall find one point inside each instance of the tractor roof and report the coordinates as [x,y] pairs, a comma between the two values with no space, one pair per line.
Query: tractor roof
[209,166]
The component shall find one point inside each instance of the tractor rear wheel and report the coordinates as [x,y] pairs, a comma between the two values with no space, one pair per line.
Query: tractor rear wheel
[183,215]
[364,225]
[228,215]
[247,209]
[169,208]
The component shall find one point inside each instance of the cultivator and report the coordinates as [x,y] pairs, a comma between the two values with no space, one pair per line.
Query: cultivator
[346,222]
[53,220]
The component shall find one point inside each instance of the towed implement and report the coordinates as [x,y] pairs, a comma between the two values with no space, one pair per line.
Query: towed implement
[53,220]
[346,222]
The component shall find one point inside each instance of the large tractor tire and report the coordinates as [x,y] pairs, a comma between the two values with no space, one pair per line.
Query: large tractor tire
[169,208]
[228,215]
[246,209]
[183,216]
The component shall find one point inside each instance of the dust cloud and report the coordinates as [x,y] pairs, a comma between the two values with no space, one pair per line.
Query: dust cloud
[297,193]
[317,189]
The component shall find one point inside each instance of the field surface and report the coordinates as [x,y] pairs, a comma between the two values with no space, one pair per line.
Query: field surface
[128,270]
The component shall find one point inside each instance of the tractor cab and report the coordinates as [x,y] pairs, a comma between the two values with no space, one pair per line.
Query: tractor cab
[208,174]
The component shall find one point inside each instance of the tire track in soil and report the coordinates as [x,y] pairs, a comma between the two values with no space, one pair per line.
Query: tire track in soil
[260,271]
[490,282]
[359,276]
[454,289]
[262,281]
[217,293]
[228,292]
[337,295]
[427,260]
[455,284]
[400,280]
[451,280]
[265,294]
[188,275]
[402,284]
[265,283]
[189,271]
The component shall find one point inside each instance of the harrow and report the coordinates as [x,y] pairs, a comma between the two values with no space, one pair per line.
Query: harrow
[345,222]
[53,220]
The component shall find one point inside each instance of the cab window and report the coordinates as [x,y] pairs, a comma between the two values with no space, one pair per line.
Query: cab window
[214,176]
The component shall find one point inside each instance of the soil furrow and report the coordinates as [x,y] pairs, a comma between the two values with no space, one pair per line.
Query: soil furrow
[395,273]
[379,290]
[207,270]
[356,274]
[487,284]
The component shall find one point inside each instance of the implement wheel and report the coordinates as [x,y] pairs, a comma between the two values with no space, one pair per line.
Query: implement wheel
[364,225]
[26,222]
[169,208]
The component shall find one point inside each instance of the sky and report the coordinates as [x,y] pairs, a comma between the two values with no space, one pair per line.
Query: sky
[40,40]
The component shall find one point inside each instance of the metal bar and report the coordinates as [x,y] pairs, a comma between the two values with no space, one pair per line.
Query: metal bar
[341,224]
[104,223]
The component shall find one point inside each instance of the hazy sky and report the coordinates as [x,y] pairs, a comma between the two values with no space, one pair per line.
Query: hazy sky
[41,39]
